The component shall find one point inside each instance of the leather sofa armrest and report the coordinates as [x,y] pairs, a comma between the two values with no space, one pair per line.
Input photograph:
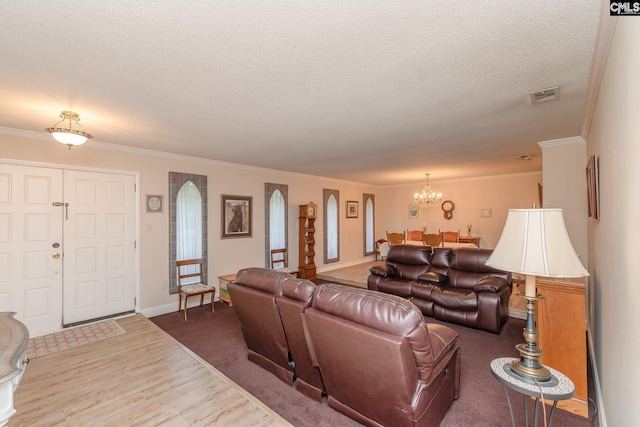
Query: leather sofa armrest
[433,278]
[490,284]
[384,270]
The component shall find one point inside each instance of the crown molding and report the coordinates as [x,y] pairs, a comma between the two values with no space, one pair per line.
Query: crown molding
[562,141]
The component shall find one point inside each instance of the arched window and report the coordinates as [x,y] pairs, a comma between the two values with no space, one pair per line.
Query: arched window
[276,220]
[187,222]
[331,226]
[368,200]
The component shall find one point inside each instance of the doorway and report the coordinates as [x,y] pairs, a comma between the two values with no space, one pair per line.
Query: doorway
[67,245]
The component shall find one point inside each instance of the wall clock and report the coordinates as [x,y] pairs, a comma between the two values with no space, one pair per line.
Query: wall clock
[154,203]
[448,207]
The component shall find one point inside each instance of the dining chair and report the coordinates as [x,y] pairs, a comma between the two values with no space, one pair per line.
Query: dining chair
[191,283]
[377,253]
[450,236]
[395,238]
[279,256]
[415,235]
[433,240]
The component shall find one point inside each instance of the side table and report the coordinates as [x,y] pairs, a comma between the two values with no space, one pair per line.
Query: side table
[560,387]
[224,293]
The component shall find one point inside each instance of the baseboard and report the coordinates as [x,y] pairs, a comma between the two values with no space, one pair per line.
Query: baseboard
[518,314]
[170,308]
[602,419]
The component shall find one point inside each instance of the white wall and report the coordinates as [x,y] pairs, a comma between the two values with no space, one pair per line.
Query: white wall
[564,183]
[614,263]
[470,196]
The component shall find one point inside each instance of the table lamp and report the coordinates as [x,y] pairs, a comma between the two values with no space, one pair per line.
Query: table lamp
[534,242]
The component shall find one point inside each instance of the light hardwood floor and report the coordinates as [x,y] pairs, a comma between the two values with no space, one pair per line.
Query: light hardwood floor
[141,378]
[355,275]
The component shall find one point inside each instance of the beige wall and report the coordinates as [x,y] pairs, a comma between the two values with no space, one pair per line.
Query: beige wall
[614,263]
[471,197]
[564,183]
[225,256]
[229,255]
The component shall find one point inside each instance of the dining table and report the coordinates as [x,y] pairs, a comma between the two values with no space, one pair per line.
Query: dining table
[384,247]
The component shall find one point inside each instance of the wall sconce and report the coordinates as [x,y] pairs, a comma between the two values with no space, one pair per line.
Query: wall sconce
[67,135]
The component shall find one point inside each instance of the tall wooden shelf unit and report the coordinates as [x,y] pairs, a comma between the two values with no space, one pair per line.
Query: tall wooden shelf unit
[306,241]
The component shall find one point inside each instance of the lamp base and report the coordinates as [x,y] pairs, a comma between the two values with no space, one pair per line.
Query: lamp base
[530,374]
[528,368]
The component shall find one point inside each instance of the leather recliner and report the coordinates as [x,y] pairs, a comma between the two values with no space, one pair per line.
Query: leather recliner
[254,293]
[453,285]
[296,298]
[381,363]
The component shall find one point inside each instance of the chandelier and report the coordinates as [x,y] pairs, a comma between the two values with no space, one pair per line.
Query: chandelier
[427,197]
[68,135]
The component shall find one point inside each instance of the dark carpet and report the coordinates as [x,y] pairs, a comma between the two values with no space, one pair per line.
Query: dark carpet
[482,402]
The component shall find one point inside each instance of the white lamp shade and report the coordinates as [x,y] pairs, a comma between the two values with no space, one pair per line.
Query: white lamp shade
[536,242]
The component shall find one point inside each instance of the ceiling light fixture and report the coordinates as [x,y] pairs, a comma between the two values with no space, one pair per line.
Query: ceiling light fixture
[427,197]
[69,136]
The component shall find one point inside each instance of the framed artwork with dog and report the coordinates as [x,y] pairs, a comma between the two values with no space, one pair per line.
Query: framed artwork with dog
[236,216]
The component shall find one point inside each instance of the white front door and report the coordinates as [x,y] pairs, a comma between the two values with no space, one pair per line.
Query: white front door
[31,262]
[99,250]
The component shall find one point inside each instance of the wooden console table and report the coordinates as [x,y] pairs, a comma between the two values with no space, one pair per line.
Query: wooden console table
[561,323]
[14,338]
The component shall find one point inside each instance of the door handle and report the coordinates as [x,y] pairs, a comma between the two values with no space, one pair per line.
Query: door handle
[55,255]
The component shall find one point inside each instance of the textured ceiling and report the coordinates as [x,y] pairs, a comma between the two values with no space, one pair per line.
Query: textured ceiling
[375,92]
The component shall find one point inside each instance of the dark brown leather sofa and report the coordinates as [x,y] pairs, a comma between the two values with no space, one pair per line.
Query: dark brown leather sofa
[382,365]
[453,285]
[254,293]
[297,295]
[270,305]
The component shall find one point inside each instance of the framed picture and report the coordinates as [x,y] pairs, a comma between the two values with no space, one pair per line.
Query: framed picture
[414,211]
[154,203]
[352,209]
[236,216]
[593,188]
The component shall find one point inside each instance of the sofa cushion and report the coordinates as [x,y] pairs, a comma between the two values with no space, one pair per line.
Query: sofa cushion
[384,270]
[409,261]
[422,290]
[441,260]
[395,286]
[468,267]
[490,284]
[455,299]
[433,278]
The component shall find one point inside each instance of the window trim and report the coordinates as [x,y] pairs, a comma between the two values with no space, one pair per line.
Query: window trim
[365,199]
[326,194]
[269,189]
[176,181]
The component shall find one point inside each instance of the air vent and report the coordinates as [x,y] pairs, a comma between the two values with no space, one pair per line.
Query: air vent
[548,94]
